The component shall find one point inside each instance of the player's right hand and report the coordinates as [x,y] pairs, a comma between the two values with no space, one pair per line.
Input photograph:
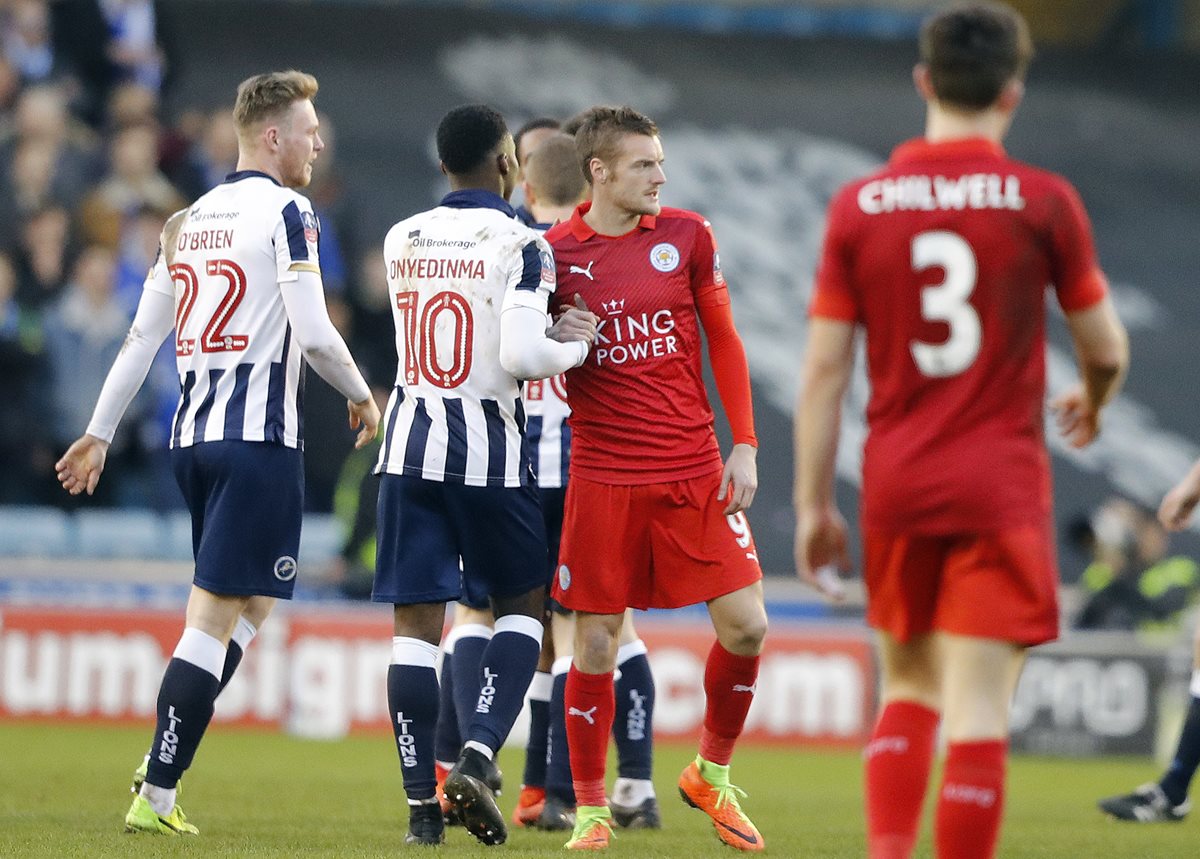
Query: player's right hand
[80,467]
[366,416]
[1176,508]
[821,541]
[1078,419]
[575,324]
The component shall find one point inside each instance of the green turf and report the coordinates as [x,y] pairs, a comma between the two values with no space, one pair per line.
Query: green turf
[64,791]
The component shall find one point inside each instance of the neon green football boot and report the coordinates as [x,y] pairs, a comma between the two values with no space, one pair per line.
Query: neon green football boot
[143,818]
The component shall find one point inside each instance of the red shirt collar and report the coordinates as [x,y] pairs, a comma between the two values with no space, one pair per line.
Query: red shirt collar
[921,149]
[582,232]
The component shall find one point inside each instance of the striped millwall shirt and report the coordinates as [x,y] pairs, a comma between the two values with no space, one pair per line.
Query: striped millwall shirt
[224,261]
[455,414]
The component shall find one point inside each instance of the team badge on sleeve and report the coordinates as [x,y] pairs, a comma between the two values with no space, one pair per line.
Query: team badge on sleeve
[718,278]
[664,257]
[548,275]
[311,232]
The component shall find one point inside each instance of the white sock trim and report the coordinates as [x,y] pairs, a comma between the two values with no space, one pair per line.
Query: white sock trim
[627,651]
[481,748]
[244,633]
[540,686]
[561,666]
[1194,687]
[521,624]
[202,650]
[413,651]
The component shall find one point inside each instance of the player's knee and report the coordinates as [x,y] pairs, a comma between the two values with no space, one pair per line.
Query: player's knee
[595,649]
[745,634]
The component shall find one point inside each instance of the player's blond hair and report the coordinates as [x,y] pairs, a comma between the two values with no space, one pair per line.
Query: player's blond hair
[266,96]
[553,171]
[600,131]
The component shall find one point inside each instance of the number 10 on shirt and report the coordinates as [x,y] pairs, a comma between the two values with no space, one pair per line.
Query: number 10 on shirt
[444,361]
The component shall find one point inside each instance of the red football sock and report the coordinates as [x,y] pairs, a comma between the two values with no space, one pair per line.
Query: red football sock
[971,801]
[897,761]
[729,690]
[590,705]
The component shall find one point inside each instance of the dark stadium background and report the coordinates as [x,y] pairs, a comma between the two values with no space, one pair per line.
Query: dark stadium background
[1119,116]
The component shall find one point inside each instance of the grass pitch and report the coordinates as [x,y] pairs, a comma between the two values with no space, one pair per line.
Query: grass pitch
[64,793]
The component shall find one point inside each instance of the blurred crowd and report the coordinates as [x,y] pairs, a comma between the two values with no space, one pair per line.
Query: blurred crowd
[91,166]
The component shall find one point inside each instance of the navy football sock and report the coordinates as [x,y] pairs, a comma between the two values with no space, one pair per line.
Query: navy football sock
[559,783]
[468,651]
[635,710]
[539,728]
[412,690]
[185,706]
[447,741]
[1187,757]
[506,668]
[233,658]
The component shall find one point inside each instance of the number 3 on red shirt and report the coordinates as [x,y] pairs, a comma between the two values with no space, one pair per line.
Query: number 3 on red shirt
[947,302]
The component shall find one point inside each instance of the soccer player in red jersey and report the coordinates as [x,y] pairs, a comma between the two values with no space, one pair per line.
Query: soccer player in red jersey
[653,517]
[943,257]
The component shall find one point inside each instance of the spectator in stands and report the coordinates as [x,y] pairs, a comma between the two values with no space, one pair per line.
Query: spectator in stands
[133,41]
[84,332]
[43,256]
[26,39]
[374,339]
[212,152]
[41,116]
[21,346]
[134,182]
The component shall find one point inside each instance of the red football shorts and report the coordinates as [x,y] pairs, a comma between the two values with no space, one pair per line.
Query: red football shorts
[663,545]
[1001,585]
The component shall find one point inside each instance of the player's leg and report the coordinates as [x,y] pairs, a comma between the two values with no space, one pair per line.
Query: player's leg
[503,544]
[559,810]
[473,631]
[730,677]
[532,799]
[899,755]
[979,677]
[1167,799]
[633,803]
[417,571]
[185,707]
[590,704]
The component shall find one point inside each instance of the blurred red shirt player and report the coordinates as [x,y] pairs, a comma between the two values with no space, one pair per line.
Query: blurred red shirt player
[653,517]
[943,257]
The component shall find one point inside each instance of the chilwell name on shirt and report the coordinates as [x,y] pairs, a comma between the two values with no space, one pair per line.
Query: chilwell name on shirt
[931,193]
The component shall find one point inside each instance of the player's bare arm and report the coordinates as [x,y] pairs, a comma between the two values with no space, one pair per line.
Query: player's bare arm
[820,529]
[1102,353]
[1176,508]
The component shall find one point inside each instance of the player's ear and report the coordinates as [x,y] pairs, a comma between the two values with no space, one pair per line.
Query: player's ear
[504,164]
[442,167]
[530,194]
[1010,97]
[598,170]
[923,82]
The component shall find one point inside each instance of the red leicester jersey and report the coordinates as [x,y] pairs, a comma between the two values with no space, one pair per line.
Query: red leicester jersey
[639,410]
[944,257]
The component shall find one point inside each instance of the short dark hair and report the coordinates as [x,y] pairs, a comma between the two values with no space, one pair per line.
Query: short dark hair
[553,171]
[533,125]
[467,134]
[601,129]
[973,50]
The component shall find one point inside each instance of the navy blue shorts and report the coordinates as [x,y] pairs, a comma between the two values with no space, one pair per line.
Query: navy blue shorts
[440,542]
[247,501]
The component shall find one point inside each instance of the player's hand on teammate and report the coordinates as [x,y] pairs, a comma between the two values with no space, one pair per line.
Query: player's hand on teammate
[575,324]
[821,553]
[1176,508]
[80,467]
[364,417]
[739,480]
[1078,420]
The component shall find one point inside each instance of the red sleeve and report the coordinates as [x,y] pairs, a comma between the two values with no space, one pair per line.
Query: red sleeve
[1078,279]
[708,284]
[834,296]
[732,373]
